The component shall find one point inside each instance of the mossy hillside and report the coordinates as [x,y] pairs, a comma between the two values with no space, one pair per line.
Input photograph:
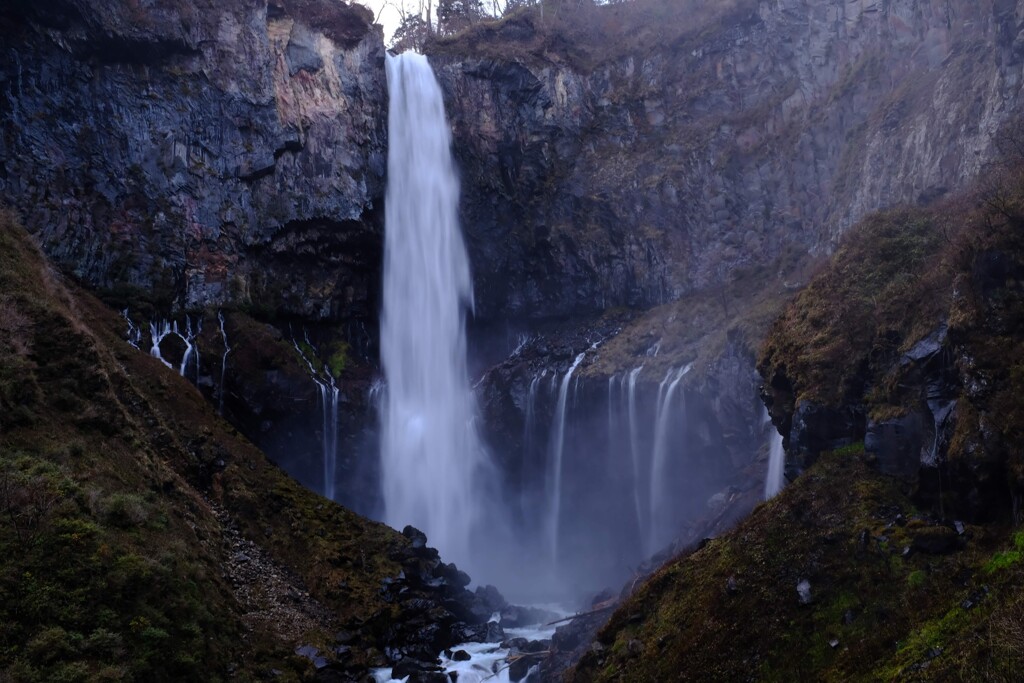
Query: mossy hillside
[341,556]
[113,559]
[878,611]
[901,277]
[879,291]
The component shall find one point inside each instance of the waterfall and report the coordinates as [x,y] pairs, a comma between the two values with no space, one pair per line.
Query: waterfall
[223,362]
[557,449]
[530,417]
[160,331]
[775,480]
[329,395]
[659,478]
[634,445]
[431,456]
[133,335]
[611,410]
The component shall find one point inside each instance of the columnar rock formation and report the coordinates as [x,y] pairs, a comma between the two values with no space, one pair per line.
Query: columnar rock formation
[212,152]
[632,163]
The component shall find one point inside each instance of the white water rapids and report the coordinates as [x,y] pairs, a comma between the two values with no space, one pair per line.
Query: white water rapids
[431,456]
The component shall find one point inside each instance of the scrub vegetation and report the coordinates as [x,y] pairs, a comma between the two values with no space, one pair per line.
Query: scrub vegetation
[120,492]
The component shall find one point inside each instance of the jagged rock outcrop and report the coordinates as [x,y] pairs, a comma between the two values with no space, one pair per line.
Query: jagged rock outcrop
[205,153]
[625,156]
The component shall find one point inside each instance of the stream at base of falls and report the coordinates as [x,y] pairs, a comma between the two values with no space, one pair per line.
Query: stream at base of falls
[487,661]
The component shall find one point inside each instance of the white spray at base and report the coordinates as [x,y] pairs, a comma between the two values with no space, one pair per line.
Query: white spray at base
[488,662]
[431,456]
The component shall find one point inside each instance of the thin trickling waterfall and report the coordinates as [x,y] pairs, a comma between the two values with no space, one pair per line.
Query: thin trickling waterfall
[530,416]
[659,477]
[223,362]
[527,502]
[611,409]
[557,449]
[133,335]
[775,478]
[431,456]
[329,398]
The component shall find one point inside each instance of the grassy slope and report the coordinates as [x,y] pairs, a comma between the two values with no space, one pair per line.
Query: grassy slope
[894,280]
[111,555]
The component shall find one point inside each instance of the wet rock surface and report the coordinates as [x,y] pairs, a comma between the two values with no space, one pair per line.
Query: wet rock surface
[438,610]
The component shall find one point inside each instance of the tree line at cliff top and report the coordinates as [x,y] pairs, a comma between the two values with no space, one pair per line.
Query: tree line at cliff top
[421,19]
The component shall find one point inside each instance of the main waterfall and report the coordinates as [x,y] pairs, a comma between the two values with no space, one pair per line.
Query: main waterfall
[431,456]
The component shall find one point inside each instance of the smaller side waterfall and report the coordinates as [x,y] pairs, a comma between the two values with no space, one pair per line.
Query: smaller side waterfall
[775,480]
[634,445]
[659,491]
[329,399]
[133,335]
[557,448]
[223,363]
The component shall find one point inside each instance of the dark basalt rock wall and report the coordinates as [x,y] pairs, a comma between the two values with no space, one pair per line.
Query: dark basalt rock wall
[632,180]
[212,153]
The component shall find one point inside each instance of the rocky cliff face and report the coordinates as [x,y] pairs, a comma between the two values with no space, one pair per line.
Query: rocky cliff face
[191,156]
[612,161]
[209,153]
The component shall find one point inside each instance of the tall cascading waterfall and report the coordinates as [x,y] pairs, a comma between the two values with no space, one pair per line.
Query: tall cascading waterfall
[431,456]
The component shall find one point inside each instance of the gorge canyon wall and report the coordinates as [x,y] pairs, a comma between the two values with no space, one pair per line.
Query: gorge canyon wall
[647,179]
